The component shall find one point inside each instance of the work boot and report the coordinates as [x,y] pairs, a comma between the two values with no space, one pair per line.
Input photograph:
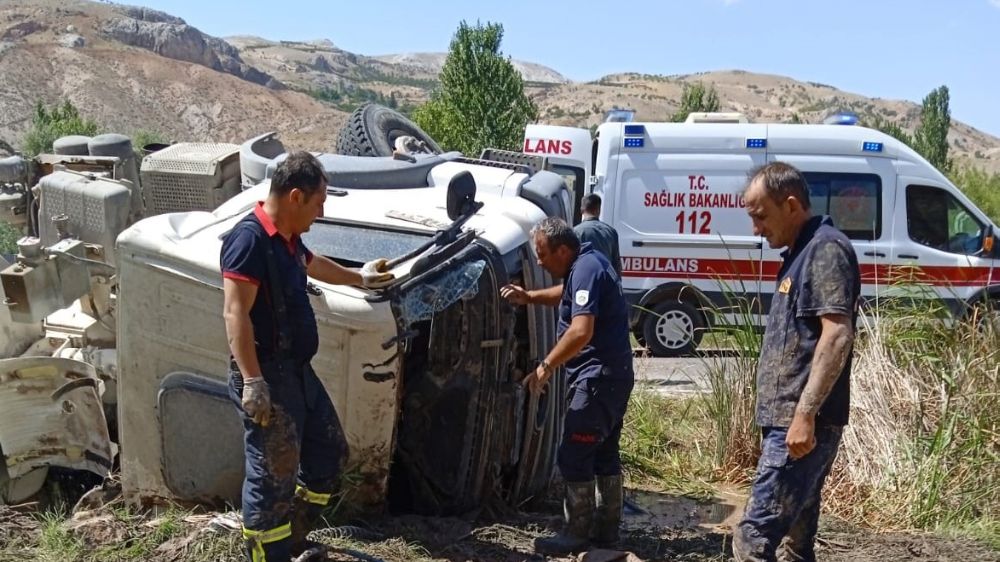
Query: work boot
[578,508]
[608,512]
[304,516]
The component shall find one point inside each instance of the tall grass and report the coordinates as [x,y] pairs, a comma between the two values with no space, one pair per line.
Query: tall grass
[922,449]
[923,446]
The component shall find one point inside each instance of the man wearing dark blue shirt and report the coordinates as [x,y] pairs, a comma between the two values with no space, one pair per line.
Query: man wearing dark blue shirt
[601,235]
[593,344]
[293,440]
[803,374]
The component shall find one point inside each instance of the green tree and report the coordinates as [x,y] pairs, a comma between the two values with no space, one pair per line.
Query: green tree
[931,136]
[696,98]
[481,101]
[48,124]
[890,128]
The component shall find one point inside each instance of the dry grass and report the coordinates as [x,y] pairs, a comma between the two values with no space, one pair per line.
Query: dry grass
[923,446]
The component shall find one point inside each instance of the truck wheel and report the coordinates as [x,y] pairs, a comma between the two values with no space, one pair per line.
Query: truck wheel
[372,130]
[673,328]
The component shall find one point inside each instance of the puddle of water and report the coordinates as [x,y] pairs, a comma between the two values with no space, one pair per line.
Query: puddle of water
[654,509]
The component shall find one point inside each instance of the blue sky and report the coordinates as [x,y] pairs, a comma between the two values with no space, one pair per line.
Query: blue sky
[898,49]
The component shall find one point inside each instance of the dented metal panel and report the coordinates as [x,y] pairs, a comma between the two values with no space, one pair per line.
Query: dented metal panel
[51,415]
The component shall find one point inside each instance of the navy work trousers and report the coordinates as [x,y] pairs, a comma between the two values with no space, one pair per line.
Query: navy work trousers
[593,428]
[784,500]
[303,446]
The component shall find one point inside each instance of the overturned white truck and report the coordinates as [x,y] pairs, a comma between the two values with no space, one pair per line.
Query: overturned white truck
[425,373]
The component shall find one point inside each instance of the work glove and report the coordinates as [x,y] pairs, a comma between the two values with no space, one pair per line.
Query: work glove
[257,400]
[374,274]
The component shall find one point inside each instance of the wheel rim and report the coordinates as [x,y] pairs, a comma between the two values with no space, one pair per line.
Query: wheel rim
[674,329]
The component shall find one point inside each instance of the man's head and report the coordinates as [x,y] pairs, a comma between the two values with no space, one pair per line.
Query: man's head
[556,245]
[777,199]
[298,186]
[591,205]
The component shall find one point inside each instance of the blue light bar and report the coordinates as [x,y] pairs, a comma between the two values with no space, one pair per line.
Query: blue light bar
[635,130]
[634,142]
[756,143]
[871,147]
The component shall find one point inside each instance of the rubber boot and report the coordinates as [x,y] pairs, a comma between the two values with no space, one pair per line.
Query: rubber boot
[578,508]
[608,511]
[304,517]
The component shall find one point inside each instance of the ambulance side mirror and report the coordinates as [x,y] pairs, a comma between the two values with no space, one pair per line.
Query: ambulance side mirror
[989,240]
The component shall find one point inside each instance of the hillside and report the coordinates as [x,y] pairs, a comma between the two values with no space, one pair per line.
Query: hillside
[137,69]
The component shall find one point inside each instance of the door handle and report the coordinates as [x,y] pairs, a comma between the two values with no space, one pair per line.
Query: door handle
[875,254]
[909,256]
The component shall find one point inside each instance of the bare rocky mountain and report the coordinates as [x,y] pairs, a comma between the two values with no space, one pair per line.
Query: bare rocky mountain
[133,68]
[430,65]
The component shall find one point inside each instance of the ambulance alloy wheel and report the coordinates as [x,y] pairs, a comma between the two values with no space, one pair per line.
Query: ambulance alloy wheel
[673,328]
[372,130]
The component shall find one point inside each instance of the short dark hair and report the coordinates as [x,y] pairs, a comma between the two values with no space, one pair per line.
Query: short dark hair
[299,170]
[591,204]
[781,181]
[557,233]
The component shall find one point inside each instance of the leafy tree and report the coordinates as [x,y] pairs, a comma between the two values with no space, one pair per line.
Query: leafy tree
[696,98]
[931,137]
[47,125]
[481,101]
[890,128]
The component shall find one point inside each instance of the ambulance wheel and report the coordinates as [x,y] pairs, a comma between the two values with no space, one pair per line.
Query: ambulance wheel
[673,328]
[372,130]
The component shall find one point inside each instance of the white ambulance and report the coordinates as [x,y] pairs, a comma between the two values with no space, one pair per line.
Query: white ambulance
[674,193]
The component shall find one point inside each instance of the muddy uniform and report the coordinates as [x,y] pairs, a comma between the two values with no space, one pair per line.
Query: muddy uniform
[601,375]
[297,457]
[820,276]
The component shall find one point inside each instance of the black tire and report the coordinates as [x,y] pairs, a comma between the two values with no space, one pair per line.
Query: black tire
[372,130]
[673,328]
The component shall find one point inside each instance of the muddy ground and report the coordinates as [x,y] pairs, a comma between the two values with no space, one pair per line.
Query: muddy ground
[660,527]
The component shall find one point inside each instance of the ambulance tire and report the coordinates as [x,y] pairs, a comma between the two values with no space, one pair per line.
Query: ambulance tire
[674,328]
[372,130]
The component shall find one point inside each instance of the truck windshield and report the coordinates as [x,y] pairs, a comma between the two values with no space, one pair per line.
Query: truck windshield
[355,244]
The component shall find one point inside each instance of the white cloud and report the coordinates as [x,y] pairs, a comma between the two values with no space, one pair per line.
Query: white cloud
[994,3]
[731,2]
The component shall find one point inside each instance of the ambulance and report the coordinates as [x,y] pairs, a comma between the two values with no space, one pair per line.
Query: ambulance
[674,192]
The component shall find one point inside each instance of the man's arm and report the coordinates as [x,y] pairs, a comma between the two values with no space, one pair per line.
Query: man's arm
[238,300]
[832,350]
[549,296]
[576,337]
[326,270]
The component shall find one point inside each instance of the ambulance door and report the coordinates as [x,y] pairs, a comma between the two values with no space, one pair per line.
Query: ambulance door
[684,231]
[857,193]
[940,236]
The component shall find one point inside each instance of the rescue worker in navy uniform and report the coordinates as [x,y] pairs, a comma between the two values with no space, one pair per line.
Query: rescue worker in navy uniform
[803,375]
[593,344]
[294,443]
[601,235]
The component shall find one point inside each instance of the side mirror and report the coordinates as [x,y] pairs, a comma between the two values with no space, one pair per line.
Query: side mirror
[988,242]
[461,195]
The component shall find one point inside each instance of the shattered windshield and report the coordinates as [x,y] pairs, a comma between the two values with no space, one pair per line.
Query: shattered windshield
[358,244]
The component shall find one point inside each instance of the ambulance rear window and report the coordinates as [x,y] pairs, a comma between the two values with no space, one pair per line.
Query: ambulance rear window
[853,201]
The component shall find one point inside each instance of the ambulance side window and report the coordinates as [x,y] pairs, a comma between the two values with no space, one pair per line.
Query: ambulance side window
[853,201]
[935,218]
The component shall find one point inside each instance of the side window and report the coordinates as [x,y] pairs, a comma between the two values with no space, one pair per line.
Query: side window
[935,218]
[853,201]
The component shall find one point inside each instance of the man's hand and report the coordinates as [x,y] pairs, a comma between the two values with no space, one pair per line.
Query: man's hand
[801,438]
[535,380]
[257,400]
[374,274]
[515,295]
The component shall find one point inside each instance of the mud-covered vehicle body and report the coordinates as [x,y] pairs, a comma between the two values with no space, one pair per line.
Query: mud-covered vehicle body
[424,374]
